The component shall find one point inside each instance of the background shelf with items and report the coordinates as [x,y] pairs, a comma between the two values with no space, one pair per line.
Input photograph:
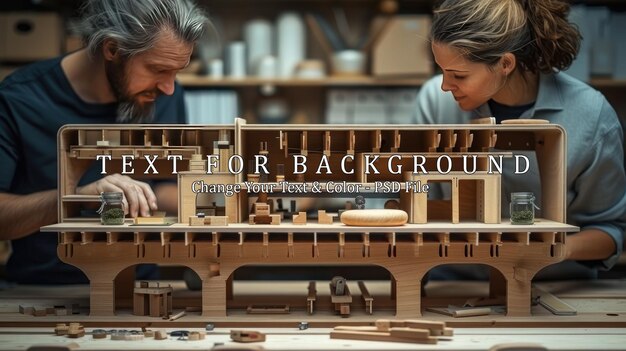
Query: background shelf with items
[320,28]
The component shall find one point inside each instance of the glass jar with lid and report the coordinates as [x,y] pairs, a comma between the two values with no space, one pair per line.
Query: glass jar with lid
[112,208]
[522,208]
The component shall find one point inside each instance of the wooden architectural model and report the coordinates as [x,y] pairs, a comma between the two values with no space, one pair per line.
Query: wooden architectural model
[218,230]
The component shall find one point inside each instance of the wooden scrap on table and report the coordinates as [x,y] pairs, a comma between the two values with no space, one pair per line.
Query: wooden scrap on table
[267,309]
[177,315]
[247,336]
[160,335]
[553,303]
[414,331]
[76,330]
[485,301]
[61,329]
[196,335]
[458,312]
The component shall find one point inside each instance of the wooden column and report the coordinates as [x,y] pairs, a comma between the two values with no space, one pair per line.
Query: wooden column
[408,297]
[102,297]
[214,297]
[518,295]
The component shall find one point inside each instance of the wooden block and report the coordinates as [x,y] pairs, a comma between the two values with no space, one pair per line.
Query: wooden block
[256,219]
[196,221]
[369,328]
[216,220]
[149,333]
[151,220]
[25,309]
[386,324]
[261,209]
[409,333]
[299,218]
[325,218]
[275,219]
[39,311]
[160,335]
[435,327]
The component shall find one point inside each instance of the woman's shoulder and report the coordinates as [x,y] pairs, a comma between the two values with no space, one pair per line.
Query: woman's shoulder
[576,91]
[583,108]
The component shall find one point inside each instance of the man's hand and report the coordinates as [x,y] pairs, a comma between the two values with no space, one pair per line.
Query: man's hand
[139,198]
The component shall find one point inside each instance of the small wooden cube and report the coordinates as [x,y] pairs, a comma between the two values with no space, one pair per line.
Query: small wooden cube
[196,221]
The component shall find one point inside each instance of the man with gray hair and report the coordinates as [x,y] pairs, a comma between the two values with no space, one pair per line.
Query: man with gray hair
[125,73]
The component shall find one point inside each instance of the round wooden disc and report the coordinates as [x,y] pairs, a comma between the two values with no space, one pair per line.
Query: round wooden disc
[374,218]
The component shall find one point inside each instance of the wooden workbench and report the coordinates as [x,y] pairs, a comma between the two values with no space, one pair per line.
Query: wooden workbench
[599,325]
[318,339]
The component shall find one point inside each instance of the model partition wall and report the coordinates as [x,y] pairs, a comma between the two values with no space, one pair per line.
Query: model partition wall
[468,228]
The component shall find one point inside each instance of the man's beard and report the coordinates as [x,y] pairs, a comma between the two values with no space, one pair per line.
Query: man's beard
[129,110]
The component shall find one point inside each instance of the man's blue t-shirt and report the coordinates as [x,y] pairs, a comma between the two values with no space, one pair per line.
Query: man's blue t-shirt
[35,102]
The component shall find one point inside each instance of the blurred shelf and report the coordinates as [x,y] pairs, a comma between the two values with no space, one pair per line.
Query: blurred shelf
[189,80]
[607,83]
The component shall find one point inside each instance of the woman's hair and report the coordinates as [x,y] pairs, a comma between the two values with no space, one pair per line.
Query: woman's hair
[136,25]
[537,32]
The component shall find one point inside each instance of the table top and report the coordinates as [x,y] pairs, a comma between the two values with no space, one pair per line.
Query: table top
[599,325]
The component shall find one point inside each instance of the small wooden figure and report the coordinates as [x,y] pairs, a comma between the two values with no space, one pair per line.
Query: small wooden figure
[153,301]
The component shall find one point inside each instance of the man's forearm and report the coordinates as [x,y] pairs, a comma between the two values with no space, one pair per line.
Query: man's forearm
[21,215]
[590,244]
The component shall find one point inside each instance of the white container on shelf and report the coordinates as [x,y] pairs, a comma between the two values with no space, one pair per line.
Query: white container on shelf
[216,69]
[291,43]
[236,59]
[258,36]
[348,63]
